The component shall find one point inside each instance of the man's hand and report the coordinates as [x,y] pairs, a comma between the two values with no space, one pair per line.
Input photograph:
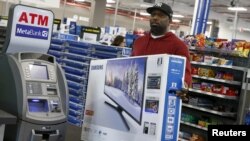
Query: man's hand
[183,93]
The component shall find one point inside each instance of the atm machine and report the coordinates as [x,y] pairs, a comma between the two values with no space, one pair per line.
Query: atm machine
[33,87]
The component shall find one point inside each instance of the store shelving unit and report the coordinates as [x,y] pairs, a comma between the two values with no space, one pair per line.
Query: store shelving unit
[218,80]
[232,110]
[194,125]
[75,57]
[219,66]
[213,94]
[225,114]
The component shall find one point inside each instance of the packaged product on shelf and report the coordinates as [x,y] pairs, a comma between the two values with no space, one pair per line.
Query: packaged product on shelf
[223,61]
[197,57]
[209,43]
[190,40]
[206,86]
[224,90]
[201,71]
[206,72]
[196,84]
[215,60]
[189,118]
[208,59]
[200,40]
[240,48]
[218,45]
[228,76]
[191,54]
[194,70]
[196,137]
[232,92]
[224,75]
[219,75]
[246,49]
[217,88]
[202,123]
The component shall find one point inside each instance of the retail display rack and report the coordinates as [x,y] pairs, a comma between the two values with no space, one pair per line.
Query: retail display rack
[218,94]
[74,57]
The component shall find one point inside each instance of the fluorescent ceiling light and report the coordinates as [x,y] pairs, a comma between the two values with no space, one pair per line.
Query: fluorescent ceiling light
[86,19]
[110,1]
[245,29]
[237,8]
[144,14]
[145,5]
[79,0]
[209,22]
[176,20]
[108,5]
[178,16]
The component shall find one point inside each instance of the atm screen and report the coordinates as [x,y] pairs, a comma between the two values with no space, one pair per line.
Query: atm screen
[38,105]
[38,72]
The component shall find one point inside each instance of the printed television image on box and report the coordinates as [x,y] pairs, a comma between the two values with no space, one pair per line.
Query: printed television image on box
[128,99]
[124,85]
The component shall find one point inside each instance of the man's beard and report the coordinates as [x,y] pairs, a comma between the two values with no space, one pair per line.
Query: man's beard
[157,30]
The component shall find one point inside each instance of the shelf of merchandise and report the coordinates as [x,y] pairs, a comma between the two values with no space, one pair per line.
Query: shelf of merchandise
[213,94]
[215,50]
[218,80]
[225,114]
[219,66]
[75,57]
[238,69]
[194,125]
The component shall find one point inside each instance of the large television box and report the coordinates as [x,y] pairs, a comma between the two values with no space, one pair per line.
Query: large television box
[133,99]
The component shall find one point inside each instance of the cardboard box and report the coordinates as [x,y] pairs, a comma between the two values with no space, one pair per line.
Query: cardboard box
[132,99]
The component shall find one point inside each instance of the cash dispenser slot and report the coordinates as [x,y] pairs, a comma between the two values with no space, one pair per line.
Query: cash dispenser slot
[51,91]
[38,135]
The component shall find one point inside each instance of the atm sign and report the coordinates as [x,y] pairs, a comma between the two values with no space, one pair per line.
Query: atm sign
[32,32]
[30,18]
[29,26]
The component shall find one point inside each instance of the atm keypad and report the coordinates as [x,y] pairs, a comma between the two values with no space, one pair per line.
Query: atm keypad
[34,88]
[51,75]
[27,72]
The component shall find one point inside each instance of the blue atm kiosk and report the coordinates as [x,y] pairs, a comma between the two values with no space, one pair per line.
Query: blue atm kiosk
[32,84]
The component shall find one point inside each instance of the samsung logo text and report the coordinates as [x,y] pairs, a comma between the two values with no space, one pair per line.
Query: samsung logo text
[179,61]
[97,67]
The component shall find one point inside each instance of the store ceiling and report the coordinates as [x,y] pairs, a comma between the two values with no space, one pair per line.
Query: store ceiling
[220,6]
[183,7]
[186,7]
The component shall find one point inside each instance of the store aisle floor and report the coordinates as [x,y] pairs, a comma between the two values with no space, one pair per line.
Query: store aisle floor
[73,133]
